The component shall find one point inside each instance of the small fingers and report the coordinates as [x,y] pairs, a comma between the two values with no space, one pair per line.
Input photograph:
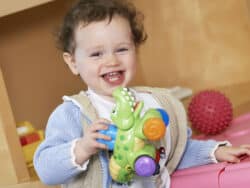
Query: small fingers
[233,159]
[246,146]
[242,150]
[101,146]
[100,124]
[101,121]
[98,127]
[98,145]
[238,153]
[97,135]
[102,136]
[94,132]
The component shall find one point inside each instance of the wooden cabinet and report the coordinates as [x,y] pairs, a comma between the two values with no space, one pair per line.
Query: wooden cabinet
[14,172]
[13,6]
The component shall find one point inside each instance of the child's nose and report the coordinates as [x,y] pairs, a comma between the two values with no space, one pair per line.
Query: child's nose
[112,60]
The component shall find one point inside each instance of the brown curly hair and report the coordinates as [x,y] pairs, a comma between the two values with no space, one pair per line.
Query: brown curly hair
[87,11]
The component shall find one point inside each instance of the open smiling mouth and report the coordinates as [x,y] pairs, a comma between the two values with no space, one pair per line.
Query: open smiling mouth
[114,77]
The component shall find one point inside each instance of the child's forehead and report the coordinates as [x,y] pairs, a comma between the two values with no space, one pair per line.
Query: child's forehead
[115,31]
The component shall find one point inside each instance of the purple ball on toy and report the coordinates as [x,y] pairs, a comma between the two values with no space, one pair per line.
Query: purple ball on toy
[210,112]
[145,166]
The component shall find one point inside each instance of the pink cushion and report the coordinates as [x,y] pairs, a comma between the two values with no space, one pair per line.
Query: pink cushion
[221,175]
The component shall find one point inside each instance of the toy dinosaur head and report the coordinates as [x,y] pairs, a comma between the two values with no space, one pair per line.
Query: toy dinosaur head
[126,108]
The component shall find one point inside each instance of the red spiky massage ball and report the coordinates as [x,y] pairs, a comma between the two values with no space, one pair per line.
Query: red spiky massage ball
[210,112]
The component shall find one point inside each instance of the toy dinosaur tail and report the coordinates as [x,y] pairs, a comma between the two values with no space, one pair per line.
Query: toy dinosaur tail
[119,174]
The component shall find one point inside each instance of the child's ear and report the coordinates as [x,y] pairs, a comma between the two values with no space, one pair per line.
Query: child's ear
[70,61]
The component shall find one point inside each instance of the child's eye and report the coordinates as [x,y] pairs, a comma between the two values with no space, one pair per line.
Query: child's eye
[96,54]
[122,49]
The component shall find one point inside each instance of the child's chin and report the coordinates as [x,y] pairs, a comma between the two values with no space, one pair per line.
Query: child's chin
[110,90]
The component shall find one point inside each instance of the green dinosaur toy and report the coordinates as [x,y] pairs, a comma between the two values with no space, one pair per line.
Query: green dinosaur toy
[133,152]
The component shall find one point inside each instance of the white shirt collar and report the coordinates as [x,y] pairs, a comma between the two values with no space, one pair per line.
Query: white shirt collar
[102,106]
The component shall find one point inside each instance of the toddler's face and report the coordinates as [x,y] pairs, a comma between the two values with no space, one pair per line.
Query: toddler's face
[105,55]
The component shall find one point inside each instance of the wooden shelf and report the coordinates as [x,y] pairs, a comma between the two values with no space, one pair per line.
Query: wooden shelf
[13,6]
[14,172]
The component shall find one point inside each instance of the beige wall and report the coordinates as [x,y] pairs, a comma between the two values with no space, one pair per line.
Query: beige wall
[195,44]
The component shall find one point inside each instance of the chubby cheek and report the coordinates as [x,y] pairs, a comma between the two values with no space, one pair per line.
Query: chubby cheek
[131,70]
[86,72]
[131,75]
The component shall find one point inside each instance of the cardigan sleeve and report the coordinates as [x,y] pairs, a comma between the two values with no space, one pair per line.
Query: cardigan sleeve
[199,152]
[53,160]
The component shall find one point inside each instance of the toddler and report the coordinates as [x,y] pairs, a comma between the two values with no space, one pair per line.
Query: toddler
[100,40]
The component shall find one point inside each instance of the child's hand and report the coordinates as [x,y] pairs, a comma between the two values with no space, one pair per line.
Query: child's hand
[88,144]
[231,154]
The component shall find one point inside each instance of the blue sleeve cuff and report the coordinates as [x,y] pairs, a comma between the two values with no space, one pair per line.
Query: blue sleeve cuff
[199,152]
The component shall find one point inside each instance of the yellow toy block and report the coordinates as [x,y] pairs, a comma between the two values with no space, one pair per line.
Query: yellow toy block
[24,129]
